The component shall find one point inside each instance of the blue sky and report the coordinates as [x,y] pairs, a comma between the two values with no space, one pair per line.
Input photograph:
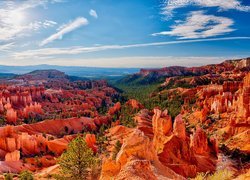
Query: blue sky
[123,33]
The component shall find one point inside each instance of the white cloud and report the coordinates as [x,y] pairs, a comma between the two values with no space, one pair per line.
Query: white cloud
[49,23]
[200,25]
[78,22]
[44,52]
[93,13]
[171,5]
[36,25]
[6,47]
[12,15]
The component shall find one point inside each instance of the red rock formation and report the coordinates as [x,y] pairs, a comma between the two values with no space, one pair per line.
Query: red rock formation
[199,143]
[116,108]
[35,108]
[102,120]
[91,141]
[58,146]
[11,116]
[137,151]
[144,122]
[171,71]
[179,128]
[29,140]
[221,107]
[162,126]
[13,156]
[168,149]
[134,104]
[37,102]
[243,102]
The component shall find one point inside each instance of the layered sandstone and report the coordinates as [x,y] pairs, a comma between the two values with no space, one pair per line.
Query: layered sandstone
[165,151]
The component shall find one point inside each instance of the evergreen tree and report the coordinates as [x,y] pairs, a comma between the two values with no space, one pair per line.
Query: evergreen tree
[78,161]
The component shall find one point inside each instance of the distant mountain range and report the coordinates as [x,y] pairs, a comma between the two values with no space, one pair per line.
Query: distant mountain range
[88,72]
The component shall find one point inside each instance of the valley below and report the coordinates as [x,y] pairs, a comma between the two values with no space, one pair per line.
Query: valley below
[167,123]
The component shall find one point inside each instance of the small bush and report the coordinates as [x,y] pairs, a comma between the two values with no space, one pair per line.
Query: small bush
[218,175]
[26,175]
[118,146]
[221,174]
[8,176]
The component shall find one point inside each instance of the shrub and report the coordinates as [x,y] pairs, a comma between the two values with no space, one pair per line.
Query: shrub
[221,174]
[218,175]
[117,148]
[8,176]
[26,175]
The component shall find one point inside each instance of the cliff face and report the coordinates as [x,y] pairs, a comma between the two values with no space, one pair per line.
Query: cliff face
[223,110]
[148,76]
[227,65]
[164,151]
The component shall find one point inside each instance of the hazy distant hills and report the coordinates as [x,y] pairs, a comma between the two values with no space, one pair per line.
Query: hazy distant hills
[50,74]
[88,72]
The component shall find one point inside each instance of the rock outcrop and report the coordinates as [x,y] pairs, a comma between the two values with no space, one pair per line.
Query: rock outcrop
[202,75]
[221,108]
[134,104]
[13,156]
[91,142]
[165,151]
[115,109]
[136,155]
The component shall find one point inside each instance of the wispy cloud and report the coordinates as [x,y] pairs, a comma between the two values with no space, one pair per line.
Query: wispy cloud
[49,23]
[44,52]
[6,47]
[171,5]
[200,25]
[93,13]
[78,22]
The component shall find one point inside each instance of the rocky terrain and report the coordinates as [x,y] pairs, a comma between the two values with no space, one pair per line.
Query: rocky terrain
[159,149]
[148,76]
[195,121]
[213,107]
[41,112]
[218,102]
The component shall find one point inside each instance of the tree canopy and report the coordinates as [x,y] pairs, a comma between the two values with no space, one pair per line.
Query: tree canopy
[78,161]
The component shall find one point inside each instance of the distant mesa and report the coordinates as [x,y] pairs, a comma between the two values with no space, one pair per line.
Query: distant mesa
[148,76]
[47,75]
[44,75]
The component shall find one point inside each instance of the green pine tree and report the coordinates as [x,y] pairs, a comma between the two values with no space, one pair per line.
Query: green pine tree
[78,161]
